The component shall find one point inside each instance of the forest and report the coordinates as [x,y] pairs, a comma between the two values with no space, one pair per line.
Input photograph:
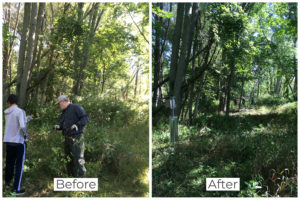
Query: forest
[232,70]
[97,54]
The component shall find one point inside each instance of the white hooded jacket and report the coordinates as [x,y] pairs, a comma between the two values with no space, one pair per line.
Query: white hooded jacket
[15,123]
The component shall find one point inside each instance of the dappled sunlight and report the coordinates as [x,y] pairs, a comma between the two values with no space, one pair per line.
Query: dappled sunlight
[247,145]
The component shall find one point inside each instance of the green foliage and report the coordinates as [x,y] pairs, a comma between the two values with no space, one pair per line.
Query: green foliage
[289,108]
[269,100]
[255,147]
[69,28]
[116,150]
[161,13]
[95,54]
[253,55]
[105,112]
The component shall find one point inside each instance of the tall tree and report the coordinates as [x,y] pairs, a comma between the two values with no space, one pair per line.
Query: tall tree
[94,21]
[29,56]
[23,43]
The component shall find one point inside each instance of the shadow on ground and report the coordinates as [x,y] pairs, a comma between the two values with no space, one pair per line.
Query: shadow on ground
[256,148]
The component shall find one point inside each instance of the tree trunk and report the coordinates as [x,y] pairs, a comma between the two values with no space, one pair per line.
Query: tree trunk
[38,29]
[136,81]
[6,30]
[286,87]
[161,76]
[228,91]
[8,48]
[189,25]
[77,53]
[199,89]
[38,62]
[296,79]
[229,83]
[192,94]
[222,87]
[23,44]
[271,82]
[157,58]
[175,46]
[26,71]
[44,90]
[103,78]
[258,88]
[221,95]
[49,74]
[278,86]
[242,93]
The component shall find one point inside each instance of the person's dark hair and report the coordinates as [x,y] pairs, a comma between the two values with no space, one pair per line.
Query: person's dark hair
[12,99]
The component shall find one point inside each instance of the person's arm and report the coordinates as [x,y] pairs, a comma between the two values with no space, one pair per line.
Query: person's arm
[22,124]
[28,119]
[59,125]
[83,118]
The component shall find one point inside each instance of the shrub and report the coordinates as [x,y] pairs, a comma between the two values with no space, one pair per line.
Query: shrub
[269,100]
[116,148]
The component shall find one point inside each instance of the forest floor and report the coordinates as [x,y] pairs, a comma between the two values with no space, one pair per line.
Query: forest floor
[116,151]
[258,144]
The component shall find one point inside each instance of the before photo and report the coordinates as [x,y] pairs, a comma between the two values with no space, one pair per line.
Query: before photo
[75,98]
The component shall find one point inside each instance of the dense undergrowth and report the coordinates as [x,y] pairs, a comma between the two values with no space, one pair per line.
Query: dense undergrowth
[257,144]
[116,149]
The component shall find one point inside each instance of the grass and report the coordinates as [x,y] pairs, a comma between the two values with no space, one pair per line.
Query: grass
[259,145]
[116,151]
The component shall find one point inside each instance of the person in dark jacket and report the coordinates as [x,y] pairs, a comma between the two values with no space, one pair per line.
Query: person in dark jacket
[243,100]
[252,101]
[72,122]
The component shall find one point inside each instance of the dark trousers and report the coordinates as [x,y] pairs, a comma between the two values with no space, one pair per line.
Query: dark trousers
[15,158]
[74,148]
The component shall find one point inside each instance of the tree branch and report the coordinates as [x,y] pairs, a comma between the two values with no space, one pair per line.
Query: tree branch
[161,83]
[137,27]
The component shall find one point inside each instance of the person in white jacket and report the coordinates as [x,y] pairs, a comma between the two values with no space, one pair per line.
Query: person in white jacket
[15,138]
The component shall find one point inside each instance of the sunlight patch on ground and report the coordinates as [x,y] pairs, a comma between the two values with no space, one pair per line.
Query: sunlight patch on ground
[253,111]
[144,177]
[288,107]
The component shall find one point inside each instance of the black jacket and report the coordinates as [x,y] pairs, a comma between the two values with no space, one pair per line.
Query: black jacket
[73,114]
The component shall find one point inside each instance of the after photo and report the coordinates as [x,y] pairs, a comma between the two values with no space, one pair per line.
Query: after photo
[224,99]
